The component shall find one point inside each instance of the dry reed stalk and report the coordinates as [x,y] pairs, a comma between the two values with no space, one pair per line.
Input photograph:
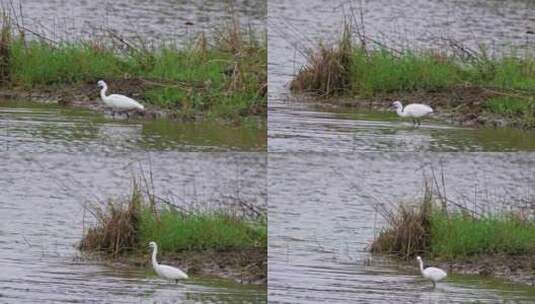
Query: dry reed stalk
[408,230]
[328,71]
[116,231]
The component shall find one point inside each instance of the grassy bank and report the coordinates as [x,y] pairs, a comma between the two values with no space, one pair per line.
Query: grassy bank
[455,79]
[221,243]
[458,237]
[221,77]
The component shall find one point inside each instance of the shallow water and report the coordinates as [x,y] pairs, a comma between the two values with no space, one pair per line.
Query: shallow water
[42,218]
[40,128]
[298,126]
[302,128]
[322,219]
[55,160]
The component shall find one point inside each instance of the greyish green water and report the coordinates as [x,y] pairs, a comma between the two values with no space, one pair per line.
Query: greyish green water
[322,220]
[302,128]
[32,127]
[43,215]
[54,160]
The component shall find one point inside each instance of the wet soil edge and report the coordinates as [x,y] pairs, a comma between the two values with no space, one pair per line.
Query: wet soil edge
[518,269]
[87,96]
[462,106]
[248,266]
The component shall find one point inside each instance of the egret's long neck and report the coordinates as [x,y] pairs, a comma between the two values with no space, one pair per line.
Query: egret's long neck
[103,93]
[400,112]
[154,252]
[421,266]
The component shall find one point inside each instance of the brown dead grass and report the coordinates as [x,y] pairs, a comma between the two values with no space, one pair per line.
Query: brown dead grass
[408,230]
[116,231]
[328,70]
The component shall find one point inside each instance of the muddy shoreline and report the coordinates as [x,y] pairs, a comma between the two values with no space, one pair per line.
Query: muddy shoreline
[518,269]
[248,267]
[87,96]
[460,106]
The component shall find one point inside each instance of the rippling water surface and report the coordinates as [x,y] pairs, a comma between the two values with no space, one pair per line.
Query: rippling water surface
[32,127]
[54,160]
[322,219]
[297,25]
[152,21]
[42,218]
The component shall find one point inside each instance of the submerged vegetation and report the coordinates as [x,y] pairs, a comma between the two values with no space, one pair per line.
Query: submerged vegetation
[433,231]
[219,77]
[454,78]
[229,238]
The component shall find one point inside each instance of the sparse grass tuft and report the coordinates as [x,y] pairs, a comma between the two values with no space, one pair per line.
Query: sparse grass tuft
[407,234]
[117,229]
[329,70]
[514,108]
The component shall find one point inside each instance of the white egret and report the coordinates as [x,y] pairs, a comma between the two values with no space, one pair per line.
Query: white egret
[165,271]
[118,103]
[431,273]
[414,110]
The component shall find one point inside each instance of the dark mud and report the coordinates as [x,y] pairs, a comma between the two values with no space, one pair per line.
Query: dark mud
[87,96]
[461,106]
[248,266]
[518,269]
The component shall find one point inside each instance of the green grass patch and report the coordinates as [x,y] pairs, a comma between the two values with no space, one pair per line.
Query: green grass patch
[425,229]
[173,231]
[36,63]
[381,72]
[510,106]
[128,226]
[351,69]
[348,68]
[223,78]
[459,235]
[521,109]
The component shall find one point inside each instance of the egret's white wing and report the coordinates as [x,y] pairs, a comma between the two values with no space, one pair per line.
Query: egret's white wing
[417,110]
[435,274]
[122,102]
[170,272]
